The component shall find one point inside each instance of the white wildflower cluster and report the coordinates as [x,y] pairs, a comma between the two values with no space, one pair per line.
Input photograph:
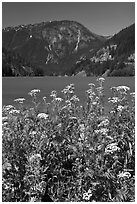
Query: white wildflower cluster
[68,90]
[100,81]
[124,175]
[74,99]
[53,94]
[70,87]
[111,148]
[68,104]
[91,85]
[42,116]
[113,100]
[120,108]
[19,100]
[88,195]
[8,108]
[122,90]
[133,94]
[33,133]
[34,92]
[5,118]
[58,100]
[132,97]
[90,92]
[44,99]
[14,112]
[100,91]
[102,131]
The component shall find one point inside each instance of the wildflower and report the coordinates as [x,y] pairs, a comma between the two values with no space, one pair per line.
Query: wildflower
[100,81]
[44,99]
[132,94]
[124,175]
[113,100]
[111,148]
[91,84]
[42,116]
[74,99]
[100,90]
[90,92]
[103,131]
[8,107]
[53,94]
[58,100]
[33,133]
[91,97]
[86,196]
[4,119]
[20,100]
[34,92]
[33,199]
[120,108]
[70,87]
[64,91]
[14,112]
[94,103]
[123,88]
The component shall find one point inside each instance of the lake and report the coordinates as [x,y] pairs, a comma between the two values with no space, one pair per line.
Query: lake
[16,87]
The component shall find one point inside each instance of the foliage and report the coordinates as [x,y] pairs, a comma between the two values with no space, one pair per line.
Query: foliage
[125,41]
[72,152]
[14,65]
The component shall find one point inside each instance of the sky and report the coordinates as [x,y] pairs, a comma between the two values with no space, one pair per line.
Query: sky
[103,18]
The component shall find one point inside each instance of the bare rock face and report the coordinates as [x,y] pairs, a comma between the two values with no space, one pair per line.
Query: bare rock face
[55,46]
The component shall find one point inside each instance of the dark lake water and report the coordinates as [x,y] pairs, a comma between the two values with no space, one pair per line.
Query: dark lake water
[16,87]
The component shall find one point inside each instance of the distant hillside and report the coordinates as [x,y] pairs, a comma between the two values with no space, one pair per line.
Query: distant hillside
[125,41]
[51,46]
[14,65]
[66,48]
[116,56]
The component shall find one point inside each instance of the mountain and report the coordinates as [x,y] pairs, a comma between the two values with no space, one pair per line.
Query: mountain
[116,57]
[66,48]
[53,47]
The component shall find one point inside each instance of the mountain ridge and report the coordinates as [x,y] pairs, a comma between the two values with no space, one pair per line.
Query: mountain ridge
[53,47]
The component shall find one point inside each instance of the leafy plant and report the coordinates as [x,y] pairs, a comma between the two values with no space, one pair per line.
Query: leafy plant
[70,152]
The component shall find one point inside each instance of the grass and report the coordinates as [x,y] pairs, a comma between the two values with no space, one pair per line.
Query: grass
[70,152]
